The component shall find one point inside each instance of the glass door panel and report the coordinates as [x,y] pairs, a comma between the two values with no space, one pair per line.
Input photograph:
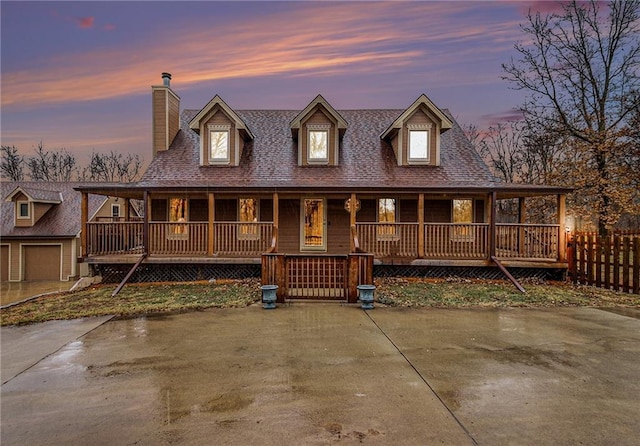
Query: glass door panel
[313,237]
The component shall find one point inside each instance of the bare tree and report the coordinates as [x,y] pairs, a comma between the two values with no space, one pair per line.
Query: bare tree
[581,70]
[59,165]
[112,167]
[12,164]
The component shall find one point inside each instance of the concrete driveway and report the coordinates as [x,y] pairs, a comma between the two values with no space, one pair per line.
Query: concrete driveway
[11,292]
[314,374]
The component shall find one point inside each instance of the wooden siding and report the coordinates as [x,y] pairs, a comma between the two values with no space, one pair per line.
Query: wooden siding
[159,122]
[437,211]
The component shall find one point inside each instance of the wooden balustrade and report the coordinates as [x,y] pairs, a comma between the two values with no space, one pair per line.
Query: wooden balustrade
[456,240]
[388,239]
[114,238]
[527,241]
[242,239]
[180,238]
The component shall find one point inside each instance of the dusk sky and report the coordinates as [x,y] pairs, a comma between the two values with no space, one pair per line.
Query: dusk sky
[78,75]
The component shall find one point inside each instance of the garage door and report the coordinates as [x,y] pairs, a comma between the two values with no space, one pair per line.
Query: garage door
[41,262]
[4,263]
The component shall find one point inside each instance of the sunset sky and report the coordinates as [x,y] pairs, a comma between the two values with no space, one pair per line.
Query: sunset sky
[78,75]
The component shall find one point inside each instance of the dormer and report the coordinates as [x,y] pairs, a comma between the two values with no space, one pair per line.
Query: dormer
[31,204]
[415,134]
[318,130]
[223,134]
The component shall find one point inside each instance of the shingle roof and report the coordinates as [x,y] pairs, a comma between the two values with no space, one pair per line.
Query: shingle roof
[62,220]
[270,161]
[37,194]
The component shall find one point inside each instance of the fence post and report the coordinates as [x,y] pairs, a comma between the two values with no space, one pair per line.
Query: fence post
[626,253]
[616,263]
[353,278]
[636,265]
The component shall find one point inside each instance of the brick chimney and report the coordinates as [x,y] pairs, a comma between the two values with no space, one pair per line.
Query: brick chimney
[165,105]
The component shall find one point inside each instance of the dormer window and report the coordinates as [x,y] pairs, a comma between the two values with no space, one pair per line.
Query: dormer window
[219,143]
[419,144]
[24,209]
[318,150]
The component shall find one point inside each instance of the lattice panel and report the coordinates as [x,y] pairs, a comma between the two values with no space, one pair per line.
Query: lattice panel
[464,272]
[177,273]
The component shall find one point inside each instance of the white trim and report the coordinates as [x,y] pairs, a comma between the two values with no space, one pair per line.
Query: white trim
[419,128]
[220,128]
[22,259]
[325,128]
[323,247]
[116,206]
[29,210]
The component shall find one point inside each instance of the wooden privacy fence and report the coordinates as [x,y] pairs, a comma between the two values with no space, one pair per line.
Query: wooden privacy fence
[611,262]
[317,276]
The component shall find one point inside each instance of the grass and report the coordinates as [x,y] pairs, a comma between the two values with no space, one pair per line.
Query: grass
[143,299]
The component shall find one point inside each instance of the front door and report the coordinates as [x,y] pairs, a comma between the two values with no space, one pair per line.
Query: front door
[313,234]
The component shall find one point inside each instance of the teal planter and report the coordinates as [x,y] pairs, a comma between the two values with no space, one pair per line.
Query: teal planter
[366,296]
[269,296]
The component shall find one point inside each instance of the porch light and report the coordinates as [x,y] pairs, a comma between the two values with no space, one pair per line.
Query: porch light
[347,205]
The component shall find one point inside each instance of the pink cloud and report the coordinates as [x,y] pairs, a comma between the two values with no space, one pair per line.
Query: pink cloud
[85,22]
[502,117]
[543,7]
[109,27]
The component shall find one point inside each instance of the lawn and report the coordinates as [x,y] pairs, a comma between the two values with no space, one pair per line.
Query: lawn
[143,299]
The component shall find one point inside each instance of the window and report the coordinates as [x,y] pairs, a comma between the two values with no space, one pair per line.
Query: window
[178,214]
[419,145]
[313,218]
[219,145]
[23,209]
[318,150]
[462,217]
[387,214]
[115,211]
[248,213]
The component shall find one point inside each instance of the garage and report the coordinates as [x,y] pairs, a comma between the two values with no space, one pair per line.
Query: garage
[4,263]
[42,262]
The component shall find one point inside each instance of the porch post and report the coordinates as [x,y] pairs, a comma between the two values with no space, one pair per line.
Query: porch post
[276,215]
[522,219]
[492,224]
[352,221]
[127,214]
[562,236]
[145,224]
[420,226]
[210,219]
[84,217]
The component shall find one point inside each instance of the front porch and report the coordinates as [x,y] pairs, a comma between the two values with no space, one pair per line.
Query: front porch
[416,243]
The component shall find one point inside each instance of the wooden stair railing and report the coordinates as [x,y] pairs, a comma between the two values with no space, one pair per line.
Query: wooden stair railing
[274,241]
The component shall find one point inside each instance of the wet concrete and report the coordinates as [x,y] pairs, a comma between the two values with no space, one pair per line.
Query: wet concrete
[11,292]
[24,346]
[314,374]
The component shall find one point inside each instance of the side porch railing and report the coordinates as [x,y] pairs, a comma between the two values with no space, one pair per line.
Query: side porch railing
[231,239]
[460,240]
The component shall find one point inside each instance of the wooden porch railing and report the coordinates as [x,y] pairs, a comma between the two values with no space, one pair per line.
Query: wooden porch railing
[114,238]
[527,241]
[233,239]
[388,239]
[186,238]
[242,239]
[456,240]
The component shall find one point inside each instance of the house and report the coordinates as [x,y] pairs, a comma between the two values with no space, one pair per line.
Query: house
[40,232]
[314,199]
